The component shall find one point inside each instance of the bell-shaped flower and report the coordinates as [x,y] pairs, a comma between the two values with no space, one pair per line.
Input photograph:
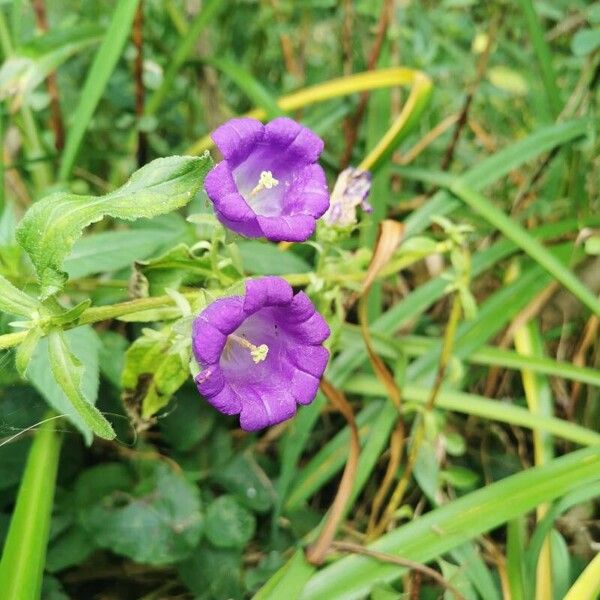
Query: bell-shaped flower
[268,183]
[260,354]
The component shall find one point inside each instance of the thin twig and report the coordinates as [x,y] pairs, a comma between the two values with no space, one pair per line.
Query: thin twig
[138,75]
[352,123]
[56,122]
[399,561]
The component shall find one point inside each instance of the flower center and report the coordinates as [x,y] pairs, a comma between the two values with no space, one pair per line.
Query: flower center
[266,181]
[258,353]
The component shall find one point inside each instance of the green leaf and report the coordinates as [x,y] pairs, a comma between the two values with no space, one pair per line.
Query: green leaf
[229,525]
[152,374]
[70,548]
[14,301]
[188,420]
[269,259]
[243,478]
[26,349]
[51,226]
[158,522]
[112,356]
[69,372]
[110,251]
[83,343]
[213,573]
[585,41]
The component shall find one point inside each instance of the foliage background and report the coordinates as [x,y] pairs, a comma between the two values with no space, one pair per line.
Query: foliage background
[182,504]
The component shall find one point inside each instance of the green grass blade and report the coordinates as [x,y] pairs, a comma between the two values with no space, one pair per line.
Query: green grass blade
[22,564]
[255,91]
[104,63]
[515,562]
[464,519]
[415,345]
[495,167]
[201,20]
[288,581]
[527,243]
[479,406]
[543,55]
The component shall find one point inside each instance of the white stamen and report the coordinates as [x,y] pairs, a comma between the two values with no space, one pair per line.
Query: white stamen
[258,353]
[265,182]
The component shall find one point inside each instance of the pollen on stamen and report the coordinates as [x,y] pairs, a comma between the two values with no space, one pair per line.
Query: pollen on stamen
[266,181]
[259,353]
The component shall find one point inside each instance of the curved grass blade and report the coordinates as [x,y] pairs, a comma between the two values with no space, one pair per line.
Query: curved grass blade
[445,528]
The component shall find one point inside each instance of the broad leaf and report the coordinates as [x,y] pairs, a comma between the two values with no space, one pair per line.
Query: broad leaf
[14,301]
[51,226]
[157,522]
[228,524]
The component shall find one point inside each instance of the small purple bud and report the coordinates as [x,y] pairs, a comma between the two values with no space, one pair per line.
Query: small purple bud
[260,354]
[350,191]
[268,184]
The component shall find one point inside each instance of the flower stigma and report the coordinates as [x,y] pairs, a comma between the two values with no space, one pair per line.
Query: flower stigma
[266,181]
[258,353]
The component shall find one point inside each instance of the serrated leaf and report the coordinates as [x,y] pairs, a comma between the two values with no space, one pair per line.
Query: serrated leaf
[50,227]
[69,372]
[84,344]
[14,301]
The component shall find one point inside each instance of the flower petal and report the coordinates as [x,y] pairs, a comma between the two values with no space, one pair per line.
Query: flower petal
[210,381]
[304,387]
[224,314]
[264,407]
[226,401]
[237,138]
[266,291]
[296,140]
[300,309]
[310,359]
[313,331]
[219,182]
[291,228]
[308,194]
[207,341]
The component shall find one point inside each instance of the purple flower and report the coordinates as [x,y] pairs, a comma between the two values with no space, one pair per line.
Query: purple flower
[350,191]
[268,184]
[260,354]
